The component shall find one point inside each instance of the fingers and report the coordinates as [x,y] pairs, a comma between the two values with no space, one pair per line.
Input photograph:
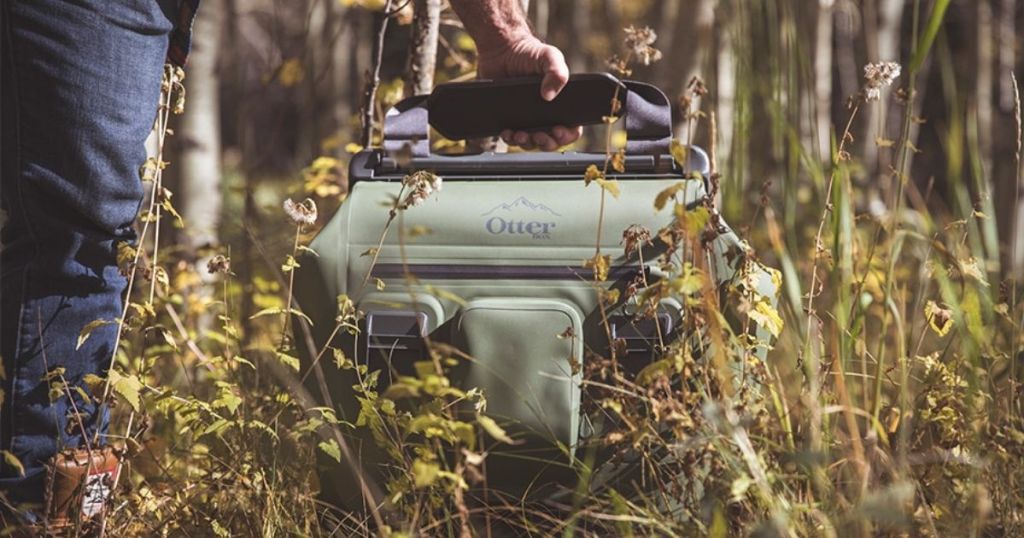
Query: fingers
[565,135]
[556,72]
[544,141]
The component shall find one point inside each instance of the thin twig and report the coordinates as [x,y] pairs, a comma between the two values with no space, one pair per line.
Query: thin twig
[373,76]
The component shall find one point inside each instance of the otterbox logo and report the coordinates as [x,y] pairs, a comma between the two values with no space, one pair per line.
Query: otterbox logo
[505,219]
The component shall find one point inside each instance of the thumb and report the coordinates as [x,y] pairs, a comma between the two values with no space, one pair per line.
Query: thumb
[556,72]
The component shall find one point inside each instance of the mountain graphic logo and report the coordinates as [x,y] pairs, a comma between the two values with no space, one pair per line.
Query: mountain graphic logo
[521,203]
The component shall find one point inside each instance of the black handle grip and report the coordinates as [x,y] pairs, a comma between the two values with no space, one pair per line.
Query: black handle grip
[487,107]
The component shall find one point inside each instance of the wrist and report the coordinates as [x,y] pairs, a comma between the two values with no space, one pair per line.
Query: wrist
[502,40]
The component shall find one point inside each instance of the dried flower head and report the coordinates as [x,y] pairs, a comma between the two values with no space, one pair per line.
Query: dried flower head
[219,264]
[639,41]
[421,185]
[301,213]
[619,65]
[878,76]
[636,236]
[697,86]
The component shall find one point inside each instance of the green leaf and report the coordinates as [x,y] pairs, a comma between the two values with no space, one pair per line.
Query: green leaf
[330,447]
[226,398]
[219,530]
[290,263]
[405,387]
[307,250]
[424,473]
[89,328]
[924,42]
[492,429]
[288,360]
[216,427]
[127,387]
[278,311]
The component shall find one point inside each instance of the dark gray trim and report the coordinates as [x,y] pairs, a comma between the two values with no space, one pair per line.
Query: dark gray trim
[498,272]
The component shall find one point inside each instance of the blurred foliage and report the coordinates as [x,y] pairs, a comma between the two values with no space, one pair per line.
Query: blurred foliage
[890,404]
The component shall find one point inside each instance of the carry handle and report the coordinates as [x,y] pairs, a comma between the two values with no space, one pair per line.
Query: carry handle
[485,108]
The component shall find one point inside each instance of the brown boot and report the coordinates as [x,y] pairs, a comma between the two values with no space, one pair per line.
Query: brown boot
[79,485]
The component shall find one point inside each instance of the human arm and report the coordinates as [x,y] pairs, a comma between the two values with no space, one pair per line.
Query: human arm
[507,48]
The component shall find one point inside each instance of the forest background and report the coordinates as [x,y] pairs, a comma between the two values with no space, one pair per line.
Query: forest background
[896,220]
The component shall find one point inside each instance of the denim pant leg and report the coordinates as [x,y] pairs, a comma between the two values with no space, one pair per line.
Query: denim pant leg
[80,87]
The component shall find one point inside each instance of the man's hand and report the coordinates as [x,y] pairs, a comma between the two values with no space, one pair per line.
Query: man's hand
[507,48]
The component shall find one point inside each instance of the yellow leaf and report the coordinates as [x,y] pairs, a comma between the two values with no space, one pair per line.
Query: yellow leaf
[464,42]
[694,221]
[667,194]
[680,153]
[689,281]
[289,263]
[766,316]
[492,429]
[600,264]
[330,447]
[970,267]
[610,185]
[13,461]
[89,328]
[939,319]
[593,173]
[291,72]
[619,161]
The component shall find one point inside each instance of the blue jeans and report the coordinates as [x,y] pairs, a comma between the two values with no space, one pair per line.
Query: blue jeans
[80,86]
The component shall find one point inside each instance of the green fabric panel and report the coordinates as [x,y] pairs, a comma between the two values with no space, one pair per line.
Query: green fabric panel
[524,366]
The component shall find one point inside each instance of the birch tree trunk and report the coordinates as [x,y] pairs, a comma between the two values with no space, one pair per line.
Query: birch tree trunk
[883,45]
[200,196]
[1009,190]
[419,76]
[731,153]
[823,78]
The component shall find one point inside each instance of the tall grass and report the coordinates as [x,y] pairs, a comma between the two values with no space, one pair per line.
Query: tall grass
[889,404]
